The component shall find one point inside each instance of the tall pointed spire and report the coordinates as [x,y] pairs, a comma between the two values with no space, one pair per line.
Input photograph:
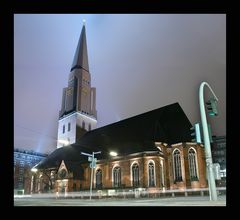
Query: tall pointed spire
[78,113]
[80,60]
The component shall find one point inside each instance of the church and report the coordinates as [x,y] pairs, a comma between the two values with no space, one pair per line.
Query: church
[150,151]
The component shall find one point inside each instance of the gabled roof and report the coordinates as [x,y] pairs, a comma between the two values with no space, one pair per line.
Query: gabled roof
[168,124]
[71,155]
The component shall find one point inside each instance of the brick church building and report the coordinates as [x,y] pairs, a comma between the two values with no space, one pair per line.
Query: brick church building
[152,150]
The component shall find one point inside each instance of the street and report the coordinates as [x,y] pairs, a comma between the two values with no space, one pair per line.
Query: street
[176,201]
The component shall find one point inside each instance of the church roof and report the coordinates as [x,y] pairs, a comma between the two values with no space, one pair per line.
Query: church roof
[168,124]
[80,60]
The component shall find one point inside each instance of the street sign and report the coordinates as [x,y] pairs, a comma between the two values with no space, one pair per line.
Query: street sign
[89,159]
[93,164]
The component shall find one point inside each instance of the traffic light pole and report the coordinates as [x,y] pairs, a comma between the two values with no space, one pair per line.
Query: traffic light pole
[208,154]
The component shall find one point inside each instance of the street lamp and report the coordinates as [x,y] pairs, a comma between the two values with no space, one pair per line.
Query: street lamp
[113,153]
[92,166]
[34,170]
[208,154]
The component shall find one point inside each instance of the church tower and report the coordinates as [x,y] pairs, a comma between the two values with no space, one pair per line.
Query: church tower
[78,112]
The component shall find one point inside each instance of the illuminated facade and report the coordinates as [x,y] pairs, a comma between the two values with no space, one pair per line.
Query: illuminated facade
[179,166]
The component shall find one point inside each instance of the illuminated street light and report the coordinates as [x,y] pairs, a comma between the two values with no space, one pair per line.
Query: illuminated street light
[113,153]
[34,169]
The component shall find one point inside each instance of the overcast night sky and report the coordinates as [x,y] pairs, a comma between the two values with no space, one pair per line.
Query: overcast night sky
[137,63]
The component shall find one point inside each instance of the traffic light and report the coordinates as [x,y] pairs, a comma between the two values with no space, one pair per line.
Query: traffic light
[196,134]
[212,107]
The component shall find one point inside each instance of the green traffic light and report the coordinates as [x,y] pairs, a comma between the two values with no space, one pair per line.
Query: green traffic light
[196,134]
[212,107]
[211,113]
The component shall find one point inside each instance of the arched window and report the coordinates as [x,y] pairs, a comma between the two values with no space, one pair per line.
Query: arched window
[117,177]
[83,124]
[151,174]
[177,166]
[135,175]
[99,179]
[192,165]
[89,127]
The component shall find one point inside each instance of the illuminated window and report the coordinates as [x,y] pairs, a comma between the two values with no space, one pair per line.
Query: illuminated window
[135,175]
[151,174]
[177,166]
[22,163]
[99,179]
[63,129]
[192,165]
[69,126]
[117,177]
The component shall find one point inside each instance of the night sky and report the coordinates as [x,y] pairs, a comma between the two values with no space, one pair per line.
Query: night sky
[137,63]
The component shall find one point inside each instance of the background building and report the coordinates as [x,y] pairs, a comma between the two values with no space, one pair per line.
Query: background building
[219,156]
[24,160]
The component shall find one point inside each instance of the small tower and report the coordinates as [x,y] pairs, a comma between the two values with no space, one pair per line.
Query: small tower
[78,113]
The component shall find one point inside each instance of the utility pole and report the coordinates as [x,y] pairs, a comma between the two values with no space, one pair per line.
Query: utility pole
[208,153]
[92,166]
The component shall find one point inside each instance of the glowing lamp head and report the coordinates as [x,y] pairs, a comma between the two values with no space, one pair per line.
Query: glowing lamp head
[112,153]
[34,169]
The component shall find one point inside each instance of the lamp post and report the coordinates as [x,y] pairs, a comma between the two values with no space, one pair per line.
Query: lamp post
[34,171]
[92,166]
[208,154]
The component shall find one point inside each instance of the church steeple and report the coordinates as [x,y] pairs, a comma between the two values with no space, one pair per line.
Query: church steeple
[78,112]
[80,60]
